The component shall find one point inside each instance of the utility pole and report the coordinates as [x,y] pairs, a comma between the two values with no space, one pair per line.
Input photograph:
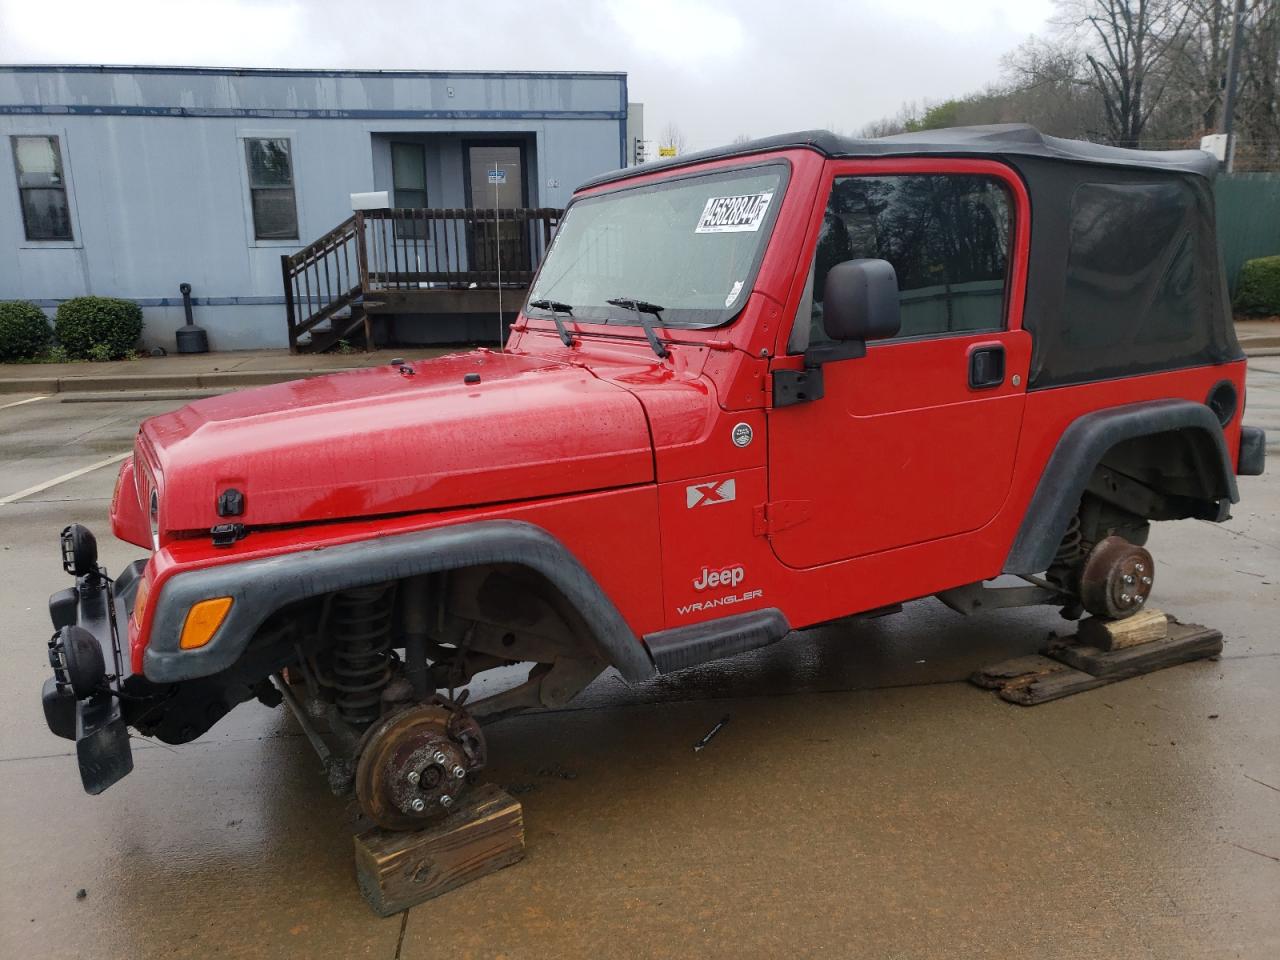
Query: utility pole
[1233,69]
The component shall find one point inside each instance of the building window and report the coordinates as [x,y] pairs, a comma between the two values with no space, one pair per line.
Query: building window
[42,189]
[409,174]
[275,211]
[409,187]
[947,236]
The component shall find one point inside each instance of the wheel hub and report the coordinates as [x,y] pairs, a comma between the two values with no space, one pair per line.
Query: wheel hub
[1116,579]
[416,764]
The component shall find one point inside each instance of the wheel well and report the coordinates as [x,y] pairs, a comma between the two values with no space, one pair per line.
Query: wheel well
[1182,466]
[520,608]
[261,587]
[1161,460]
[505,609]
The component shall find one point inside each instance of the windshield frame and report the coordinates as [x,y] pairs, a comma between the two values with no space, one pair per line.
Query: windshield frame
[728,314]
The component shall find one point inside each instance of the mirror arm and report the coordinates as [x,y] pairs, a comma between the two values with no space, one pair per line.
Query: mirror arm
[833,350]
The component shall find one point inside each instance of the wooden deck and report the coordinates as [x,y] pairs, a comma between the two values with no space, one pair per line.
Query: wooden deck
[410,261]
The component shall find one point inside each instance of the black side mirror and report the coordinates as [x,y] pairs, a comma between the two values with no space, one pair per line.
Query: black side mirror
[860,301]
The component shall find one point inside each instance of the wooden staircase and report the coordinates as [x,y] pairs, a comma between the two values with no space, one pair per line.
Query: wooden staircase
[324,290]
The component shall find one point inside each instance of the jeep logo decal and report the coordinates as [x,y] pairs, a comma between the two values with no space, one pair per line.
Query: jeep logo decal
[724,577]
[717,491]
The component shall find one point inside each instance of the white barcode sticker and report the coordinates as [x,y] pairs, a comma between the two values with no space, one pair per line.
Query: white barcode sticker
[739,214]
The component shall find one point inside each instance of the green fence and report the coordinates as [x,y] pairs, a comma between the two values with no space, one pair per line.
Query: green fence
[1248,219]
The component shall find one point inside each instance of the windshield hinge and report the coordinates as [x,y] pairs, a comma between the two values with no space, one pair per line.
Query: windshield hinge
[797,386]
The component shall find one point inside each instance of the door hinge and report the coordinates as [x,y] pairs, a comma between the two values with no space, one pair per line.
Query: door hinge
[770,518]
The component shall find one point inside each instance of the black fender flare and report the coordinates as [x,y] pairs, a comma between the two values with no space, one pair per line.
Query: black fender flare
[260,587]
[1079,451]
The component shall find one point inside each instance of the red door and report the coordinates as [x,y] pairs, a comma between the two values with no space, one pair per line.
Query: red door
[916,440]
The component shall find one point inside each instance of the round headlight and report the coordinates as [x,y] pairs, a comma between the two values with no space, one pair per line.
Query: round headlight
[153,511]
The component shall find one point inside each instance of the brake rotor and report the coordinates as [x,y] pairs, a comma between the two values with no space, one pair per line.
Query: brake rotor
[416,764]
[1116,579]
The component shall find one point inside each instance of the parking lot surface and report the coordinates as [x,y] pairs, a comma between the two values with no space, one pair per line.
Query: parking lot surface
[862,800]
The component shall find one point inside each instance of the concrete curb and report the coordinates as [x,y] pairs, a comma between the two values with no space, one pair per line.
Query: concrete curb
[1265,342]
[225,380]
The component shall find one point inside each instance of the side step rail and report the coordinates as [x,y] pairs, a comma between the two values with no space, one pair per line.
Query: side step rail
[682,647]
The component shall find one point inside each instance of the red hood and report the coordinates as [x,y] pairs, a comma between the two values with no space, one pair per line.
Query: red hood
[376,441]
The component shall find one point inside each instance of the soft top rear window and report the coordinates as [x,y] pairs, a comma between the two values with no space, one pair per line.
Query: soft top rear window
[688,245]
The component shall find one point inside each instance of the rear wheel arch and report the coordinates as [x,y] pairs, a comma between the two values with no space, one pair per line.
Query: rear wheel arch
[1156,460]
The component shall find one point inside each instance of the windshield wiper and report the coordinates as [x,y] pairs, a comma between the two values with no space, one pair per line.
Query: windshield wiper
[643,308]
[555,308]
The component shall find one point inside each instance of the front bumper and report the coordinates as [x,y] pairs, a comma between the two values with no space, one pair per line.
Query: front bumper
[83,699]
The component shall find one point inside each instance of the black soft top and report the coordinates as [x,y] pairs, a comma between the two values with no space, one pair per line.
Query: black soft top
[995,140]
[1124,275]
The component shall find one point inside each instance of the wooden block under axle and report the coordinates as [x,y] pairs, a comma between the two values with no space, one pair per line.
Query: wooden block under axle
[1186,641]
[396,870]
[1143,627]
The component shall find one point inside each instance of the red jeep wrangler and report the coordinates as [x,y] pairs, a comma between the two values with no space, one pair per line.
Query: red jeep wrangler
[753,390]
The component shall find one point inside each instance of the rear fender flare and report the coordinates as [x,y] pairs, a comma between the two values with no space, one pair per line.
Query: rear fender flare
[1079,451]
[260,587]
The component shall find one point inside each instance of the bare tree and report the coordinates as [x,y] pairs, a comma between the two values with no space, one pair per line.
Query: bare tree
[741,139]
[673,137]
[1146,73]
[1129,48]
[1258,101]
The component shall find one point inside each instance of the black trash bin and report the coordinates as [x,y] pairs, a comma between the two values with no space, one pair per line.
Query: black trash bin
[191,339]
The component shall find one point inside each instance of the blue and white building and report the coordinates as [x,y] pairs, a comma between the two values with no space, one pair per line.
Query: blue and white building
[128,181]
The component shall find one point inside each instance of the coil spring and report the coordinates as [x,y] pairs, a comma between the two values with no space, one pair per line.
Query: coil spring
[1072,547]
[360,623]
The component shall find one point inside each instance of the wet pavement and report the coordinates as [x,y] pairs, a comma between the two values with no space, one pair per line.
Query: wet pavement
[862,800]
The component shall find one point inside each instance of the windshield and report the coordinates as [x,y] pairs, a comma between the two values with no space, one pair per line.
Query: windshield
[689,246]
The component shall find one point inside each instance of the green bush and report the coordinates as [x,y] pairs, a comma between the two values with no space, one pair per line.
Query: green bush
[24,331]
[98,328]
[1258,288]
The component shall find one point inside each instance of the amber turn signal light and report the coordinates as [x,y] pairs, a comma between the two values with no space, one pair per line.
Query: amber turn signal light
[203,621]
[140,601]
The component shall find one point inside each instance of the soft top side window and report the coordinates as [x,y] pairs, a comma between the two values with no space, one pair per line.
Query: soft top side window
[947,235]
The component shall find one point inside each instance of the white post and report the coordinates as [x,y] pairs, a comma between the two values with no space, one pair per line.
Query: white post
[497,246]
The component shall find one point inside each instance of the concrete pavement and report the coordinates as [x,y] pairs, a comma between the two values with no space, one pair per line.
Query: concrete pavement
[862,801]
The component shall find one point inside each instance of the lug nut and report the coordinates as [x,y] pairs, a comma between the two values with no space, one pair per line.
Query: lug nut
[1142,600]
[459,772]
[1128,578]
[1140,568]
[1146,581]
[418,805]
[446,800]
[413,776]
[1125,598]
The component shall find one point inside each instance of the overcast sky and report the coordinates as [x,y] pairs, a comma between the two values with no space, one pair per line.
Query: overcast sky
[715,68]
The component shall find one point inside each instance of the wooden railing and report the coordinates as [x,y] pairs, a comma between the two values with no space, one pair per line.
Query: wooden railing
[456,247]
[407,249]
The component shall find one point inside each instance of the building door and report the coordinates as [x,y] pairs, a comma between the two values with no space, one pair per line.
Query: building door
[915,441]
[495,179]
